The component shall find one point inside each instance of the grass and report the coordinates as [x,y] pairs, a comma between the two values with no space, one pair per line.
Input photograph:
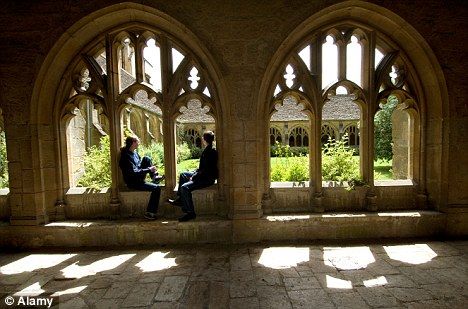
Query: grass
[383,170]
[187,165]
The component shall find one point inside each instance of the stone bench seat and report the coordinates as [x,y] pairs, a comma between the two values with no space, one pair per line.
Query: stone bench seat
[214,229]
[134,202]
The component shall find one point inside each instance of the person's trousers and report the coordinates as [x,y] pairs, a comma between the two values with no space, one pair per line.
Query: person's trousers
[153,203]
[145,163]
[186,186]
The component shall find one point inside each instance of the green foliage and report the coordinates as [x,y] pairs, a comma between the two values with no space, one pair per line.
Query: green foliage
[187,165]
[280,150]
[383,130]
[183,152]
[156,152]
[297,171]
[289,169]
[97,166]
[3,162]
[195,152]
[338,163]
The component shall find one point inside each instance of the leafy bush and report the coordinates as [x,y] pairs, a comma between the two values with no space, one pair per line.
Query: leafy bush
[290,169]
[280,150]
[195,152]
[183,152]
[97,166]
[299,151]
[338,163]
[3,162]
[383,130]
[297,171]
[155,151]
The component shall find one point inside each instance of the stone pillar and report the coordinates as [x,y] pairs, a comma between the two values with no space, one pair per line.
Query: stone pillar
[32,169]
[400,136]
[245,195]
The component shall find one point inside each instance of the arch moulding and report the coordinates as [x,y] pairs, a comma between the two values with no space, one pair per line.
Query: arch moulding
[433,95]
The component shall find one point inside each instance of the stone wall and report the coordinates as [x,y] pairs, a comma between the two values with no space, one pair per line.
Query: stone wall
[242,38]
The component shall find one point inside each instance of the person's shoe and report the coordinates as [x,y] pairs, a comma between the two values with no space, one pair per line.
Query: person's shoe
[157,178]
[176,202]
[150,216]
[187,217]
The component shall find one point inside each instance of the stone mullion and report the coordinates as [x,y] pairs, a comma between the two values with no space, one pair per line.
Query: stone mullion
[112,106]
[316,48]
[169,141]
[367,142]
[341,59]
[139,60]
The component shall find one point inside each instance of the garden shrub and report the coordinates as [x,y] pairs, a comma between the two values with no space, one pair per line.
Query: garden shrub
[297,170]
[97,166]
[338,163]
[195,152]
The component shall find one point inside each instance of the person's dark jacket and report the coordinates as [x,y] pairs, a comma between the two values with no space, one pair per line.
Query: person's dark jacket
[208,168]
[130,165]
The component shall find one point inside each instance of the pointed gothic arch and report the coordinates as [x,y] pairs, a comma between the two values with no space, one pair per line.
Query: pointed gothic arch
[78,45]
[416,69]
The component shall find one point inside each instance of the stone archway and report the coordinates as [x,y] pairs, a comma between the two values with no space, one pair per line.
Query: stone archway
[46,156]
[431,90]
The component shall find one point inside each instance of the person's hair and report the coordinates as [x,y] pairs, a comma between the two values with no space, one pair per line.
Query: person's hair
[129,141]
[209,137]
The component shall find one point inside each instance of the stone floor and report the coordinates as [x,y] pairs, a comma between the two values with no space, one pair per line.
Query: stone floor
[404,274]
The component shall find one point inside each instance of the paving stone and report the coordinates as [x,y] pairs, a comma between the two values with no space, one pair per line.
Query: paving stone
[141,295]
[419,276]
[266,276]
[306,283]
[310,299]
[244,303]
[76,302]
[444,291]
[106,303]
[378,297]
[240,262]
[242,288]
[197,295]
[348,300]
[289,273]
[226,277]
[410,294]
[273,297]
[219,295]
[242,275]
[400,281]
[119,290]
[171,288]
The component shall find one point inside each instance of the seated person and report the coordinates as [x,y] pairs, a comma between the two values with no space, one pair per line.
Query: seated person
[134,172]
[203,177]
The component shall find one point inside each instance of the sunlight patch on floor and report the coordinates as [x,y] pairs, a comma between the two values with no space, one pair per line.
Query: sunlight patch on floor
[77,271]
[348,258]
[379,281]
[335,283]
[75,290]
[34,262]
[283,257]
[156,261]
[34,289]
[412,254]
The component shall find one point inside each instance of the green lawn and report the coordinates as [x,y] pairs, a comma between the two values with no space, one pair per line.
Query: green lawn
[187,165]
[383,170]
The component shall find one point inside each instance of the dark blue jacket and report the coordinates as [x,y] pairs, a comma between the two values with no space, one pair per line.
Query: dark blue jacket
[130,164]
[208,169]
